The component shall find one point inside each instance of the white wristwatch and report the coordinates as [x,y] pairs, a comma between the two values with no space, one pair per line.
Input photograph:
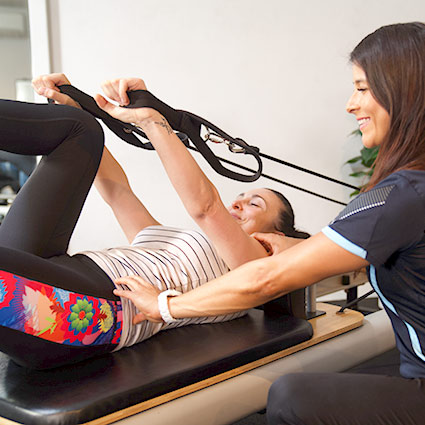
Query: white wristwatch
[164,311]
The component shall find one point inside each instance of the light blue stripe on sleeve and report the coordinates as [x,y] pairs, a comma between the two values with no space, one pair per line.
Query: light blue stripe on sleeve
[343,242]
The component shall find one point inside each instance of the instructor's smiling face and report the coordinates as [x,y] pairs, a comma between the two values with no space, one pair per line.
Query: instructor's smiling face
[373,119]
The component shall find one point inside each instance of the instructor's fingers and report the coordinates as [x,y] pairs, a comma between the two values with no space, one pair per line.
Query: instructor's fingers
[134,282]
[139,318]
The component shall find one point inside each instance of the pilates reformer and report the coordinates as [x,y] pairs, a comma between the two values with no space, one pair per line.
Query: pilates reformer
[195,132]
[203,374]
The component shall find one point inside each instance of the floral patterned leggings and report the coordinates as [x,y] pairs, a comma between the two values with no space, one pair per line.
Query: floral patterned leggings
[54,308]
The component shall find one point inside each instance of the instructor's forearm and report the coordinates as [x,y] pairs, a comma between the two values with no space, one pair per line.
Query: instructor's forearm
[247,286]
[268,278]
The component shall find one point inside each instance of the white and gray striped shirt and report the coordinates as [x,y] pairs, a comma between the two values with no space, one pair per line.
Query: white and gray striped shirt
[168,258]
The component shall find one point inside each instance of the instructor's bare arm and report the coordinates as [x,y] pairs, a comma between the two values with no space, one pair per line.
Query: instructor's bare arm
[253,283]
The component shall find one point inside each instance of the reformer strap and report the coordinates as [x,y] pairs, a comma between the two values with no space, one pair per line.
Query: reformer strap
[191,124]
[351,303]
[121,129]
[188,126]
[181,121]
[274,179]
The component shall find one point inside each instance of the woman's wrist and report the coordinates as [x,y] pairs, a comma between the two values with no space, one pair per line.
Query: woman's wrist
[152,120]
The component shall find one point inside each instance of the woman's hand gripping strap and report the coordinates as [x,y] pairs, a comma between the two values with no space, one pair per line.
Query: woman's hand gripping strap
[121,129]
[190,125]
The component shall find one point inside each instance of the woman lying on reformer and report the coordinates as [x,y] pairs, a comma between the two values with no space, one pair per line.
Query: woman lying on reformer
[56,308]
[382,229]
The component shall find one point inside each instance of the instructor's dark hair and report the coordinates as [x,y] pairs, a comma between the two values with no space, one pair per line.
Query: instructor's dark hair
[393,59]
[286,219]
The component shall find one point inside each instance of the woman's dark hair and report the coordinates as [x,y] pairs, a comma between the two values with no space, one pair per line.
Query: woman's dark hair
[286,219]
[393,59]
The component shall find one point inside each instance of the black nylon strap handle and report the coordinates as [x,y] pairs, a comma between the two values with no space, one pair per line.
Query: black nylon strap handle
[182,121]
[121,129]
[190,124]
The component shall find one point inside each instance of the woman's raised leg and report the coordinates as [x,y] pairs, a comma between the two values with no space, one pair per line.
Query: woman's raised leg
[54,309]
[43,216]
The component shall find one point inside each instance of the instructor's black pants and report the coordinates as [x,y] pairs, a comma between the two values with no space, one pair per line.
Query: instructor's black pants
[360,398]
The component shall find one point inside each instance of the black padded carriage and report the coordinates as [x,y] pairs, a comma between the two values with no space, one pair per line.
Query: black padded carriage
[171,360]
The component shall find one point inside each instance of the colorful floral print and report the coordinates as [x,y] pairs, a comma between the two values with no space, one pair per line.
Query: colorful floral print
[6,295]
[106,320]
[82,315]
[56,314]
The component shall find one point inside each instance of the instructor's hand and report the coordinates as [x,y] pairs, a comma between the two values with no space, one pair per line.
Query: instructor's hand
[47,86]
[275,243]
[143,295]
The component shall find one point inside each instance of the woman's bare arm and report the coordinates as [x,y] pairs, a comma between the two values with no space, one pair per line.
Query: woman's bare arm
[199,196]
[112,184]
[111,180]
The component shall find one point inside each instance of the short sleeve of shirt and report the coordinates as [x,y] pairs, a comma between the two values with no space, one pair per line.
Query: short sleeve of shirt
[387,219]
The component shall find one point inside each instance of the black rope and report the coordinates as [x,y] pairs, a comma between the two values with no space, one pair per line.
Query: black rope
[275,179]
[305,170]
[341,310]
[191,124]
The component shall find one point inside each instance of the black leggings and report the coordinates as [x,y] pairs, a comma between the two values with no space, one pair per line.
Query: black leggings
[357,398]
[54,308]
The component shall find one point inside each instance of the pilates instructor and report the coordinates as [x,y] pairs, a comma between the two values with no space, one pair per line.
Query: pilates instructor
[382,229]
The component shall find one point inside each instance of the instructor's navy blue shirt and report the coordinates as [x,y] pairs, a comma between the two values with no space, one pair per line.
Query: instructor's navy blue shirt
[386,226]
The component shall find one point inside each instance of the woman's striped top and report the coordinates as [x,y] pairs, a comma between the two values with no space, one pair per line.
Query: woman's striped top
[168,258]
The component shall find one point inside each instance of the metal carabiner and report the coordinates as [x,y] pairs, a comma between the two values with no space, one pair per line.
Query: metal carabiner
[233,147]
[213,137]
[216,138]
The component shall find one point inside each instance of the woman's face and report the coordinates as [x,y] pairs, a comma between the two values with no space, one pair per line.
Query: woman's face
[373,119]
[256,210]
